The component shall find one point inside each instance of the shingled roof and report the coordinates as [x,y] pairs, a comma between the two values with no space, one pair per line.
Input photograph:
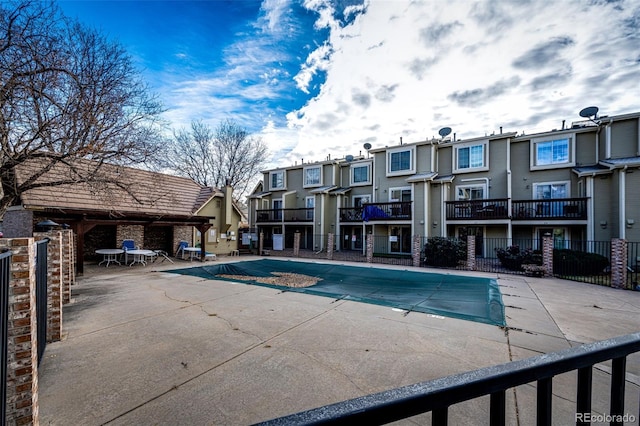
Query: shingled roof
[137,193]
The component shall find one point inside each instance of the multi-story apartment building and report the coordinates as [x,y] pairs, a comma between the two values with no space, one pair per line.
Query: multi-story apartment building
[578,183]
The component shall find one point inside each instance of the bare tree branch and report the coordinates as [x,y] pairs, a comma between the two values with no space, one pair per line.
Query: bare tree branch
[67,94]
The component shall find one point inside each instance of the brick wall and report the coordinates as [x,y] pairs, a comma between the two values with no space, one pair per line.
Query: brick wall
[471,252]
[68,261]
[330,243]
[547,255]
[182,233]
[369,243]
[296,244]
[130,232]
[22,347]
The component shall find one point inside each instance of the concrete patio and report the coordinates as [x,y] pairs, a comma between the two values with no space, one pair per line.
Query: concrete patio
[144,346]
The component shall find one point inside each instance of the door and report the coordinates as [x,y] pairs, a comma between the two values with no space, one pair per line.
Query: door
[400,239]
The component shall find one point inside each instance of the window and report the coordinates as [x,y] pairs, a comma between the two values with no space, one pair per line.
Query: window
[548,191]
[400,161]
[312,176]
[360,174]
[399,194]
[470,192]
[310,203]
[553,153]
[470,157]
[277,209]
[277,180]
[359,200]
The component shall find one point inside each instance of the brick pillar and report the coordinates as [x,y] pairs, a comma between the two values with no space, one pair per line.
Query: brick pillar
[54,283]
[547,255]
[330,242]
[618,263]
[22,345]
[260,243]
[416,250]
[296,244]
[471,252]
[369,248]
[68,265]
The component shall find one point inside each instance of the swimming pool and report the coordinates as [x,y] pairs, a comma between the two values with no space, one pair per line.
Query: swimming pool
[469,298]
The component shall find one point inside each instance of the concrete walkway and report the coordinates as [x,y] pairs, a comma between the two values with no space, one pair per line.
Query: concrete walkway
[144,346]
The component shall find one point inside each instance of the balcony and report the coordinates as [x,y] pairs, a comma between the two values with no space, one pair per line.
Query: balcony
[496,208]
[377,211]
[553,209]
[289,215]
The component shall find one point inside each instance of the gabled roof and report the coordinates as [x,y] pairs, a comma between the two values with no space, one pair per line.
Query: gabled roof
[137,192]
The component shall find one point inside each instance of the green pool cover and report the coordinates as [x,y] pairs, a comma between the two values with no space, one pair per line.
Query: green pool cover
[468,298]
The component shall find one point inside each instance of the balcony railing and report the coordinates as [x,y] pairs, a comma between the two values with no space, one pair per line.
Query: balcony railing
[377,211]
[478,209]
[289,215]
[436,396]
[552,209]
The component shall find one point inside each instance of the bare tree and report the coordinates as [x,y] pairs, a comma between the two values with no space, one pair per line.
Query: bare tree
[67,94]
[228,154]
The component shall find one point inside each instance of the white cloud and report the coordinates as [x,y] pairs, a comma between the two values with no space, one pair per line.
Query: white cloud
[409,68]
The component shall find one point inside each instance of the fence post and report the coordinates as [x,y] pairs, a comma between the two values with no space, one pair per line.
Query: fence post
[296,244]
[330,238]
[547,255]
[416,250]
[260,243]
[22,345]
[369,248]
[471,252]
[618,263]
[54,283]
[68,267]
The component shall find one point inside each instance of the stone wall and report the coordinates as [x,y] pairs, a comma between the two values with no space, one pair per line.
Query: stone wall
[130,232]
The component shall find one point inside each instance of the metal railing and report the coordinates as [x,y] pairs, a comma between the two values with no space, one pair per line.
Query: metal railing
[436,396]
[478,209]
[41,295]
[550,209]
[5,280]
[633,265]
[400,210]
[286,215]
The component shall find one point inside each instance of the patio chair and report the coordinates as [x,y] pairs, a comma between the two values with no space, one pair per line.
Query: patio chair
[180,251]
[128,245]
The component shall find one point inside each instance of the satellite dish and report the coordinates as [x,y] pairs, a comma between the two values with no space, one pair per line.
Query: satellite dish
[367,146]
[444,132]
[589,111]
[349,158]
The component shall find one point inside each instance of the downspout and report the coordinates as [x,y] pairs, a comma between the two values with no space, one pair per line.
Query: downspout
[509,192]
[443,194]
[608,141]
[622,202]
[322,199]
[427,186]
[338,226]
[590,185]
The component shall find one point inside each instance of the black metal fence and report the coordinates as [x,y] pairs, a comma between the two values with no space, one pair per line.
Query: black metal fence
[436,396]
[5,280]
[583,261]
[633,266]
[41,294]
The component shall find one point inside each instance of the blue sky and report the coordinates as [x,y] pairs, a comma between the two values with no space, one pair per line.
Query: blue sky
[322,77]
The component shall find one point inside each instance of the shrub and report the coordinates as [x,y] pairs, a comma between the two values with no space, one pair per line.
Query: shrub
[581,263]
[513,258]
[446,252]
